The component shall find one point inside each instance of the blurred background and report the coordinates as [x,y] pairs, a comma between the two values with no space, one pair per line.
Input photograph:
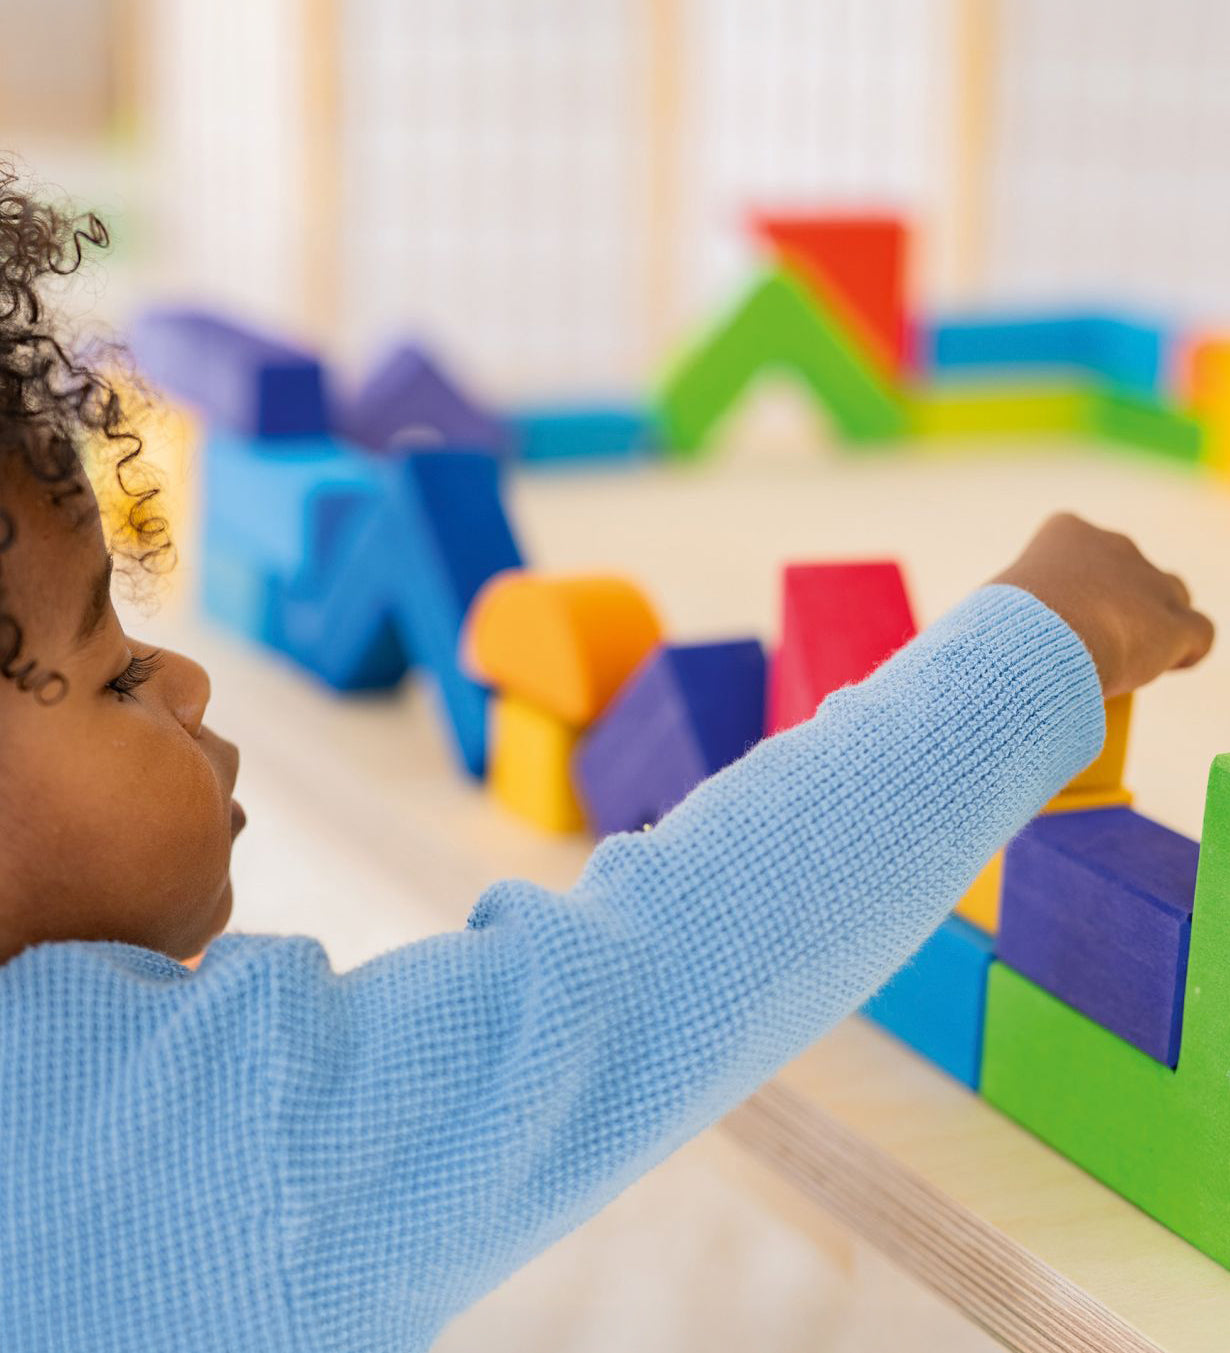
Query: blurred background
[554,189]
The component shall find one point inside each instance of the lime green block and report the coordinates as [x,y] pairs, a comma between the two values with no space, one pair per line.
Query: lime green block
[1159,1137]
[1144,422]
[778,326]
[966,410]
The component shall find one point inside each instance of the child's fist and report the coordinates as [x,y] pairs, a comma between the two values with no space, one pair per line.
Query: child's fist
[1136,621]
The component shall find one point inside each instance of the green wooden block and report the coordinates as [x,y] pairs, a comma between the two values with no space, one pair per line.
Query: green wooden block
[954,411]
[1159,1137]
[1147,423]
[778,326]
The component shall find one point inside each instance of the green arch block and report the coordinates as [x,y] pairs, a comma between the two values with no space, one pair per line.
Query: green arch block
[777,326]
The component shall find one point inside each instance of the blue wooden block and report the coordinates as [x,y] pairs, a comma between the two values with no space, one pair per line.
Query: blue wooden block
[582,432]
[407,397]
[1097,909]
[937,1002]
[1127,353]
[1021,339]
[238,378]
[237,593]
[401,580]
[688,711]
[282,502]
[338,617]
[1123,352]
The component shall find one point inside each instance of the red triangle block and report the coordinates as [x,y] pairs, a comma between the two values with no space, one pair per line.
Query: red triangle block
[856,265]
[839,622]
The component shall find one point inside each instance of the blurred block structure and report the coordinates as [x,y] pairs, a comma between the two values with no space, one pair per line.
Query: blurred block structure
[777,326]
[238,378]
[409,399]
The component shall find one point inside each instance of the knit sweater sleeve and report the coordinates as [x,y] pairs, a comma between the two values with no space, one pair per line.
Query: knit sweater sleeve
[441,1114]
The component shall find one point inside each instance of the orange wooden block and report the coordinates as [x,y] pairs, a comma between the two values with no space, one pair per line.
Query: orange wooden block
[1205,382]
[857,265]
[565,645]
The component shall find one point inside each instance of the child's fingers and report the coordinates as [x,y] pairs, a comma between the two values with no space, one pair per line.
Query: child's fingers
[1199,634]
[1180,589]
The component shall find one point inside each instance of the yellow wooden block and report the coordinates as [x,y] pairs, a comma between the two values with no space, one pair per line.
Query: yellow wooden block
[530,764]
[980,905]
[973,409]
[1100,784]
[1077,800]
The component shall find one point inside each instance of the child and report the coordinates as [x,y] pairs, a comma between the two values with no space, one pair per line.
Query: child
[263,1154]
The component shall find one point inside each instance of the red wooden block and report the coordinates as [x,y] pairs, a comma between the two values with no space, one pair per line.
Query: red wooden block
[839,622]
[857,266]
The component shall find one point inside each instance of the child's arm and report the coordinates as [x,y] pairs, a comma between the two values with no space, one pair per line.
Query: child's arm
[442,1113]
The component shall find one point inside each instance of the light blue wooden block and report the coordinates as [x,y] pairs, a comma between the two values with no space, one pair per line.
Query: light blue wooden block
[236,593]
[937,1002]
[284,499]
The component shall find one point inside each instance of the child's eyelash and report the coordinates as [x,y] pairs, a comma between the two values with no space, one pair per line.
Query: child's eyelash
[137,673]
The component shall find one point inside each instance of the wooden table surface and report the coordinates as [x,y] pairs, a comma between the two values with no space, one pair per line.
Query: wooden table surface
[1025,1243]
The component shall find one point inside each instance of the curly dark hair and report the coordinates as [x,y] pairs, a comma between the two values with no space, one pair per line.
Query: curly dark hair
[61,415]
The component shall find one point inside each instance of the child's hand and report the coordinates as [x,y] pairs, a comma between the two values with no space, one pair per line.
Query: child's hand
[1136,621]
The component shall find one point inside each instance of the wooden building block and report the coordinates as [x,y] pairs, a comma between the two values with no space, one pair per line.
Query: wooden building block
[1148,423]
[1100,784]
[956,411]
[687,712]
[1205,394]
[549,434]
[936,1003]
[531,765]
[857,266]
[1108,351]
[239,378]
[980,904]
[409,400]
[414,563]
[565,644]
[270,511]
[1096,909]
[777,326]
[1082,800]
[282,502]
[1156,1135]
[839,622]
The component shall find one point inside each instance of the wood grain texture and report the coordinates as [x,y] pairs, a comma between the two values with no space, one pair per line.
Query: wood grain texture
[998,1284]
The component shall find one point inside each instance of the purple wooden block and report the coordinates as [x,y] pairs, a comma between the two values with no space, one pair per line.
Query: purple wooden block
[407,399]
[1097,909]
[687,712]
[240,379]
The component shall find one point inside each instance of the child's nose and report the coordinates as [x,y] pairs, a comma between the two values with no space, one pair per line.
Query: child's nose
[187,690]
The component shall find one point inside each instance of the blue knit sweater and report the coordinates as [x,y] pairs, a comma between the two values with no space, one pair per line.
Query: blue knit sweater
[267,1155]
